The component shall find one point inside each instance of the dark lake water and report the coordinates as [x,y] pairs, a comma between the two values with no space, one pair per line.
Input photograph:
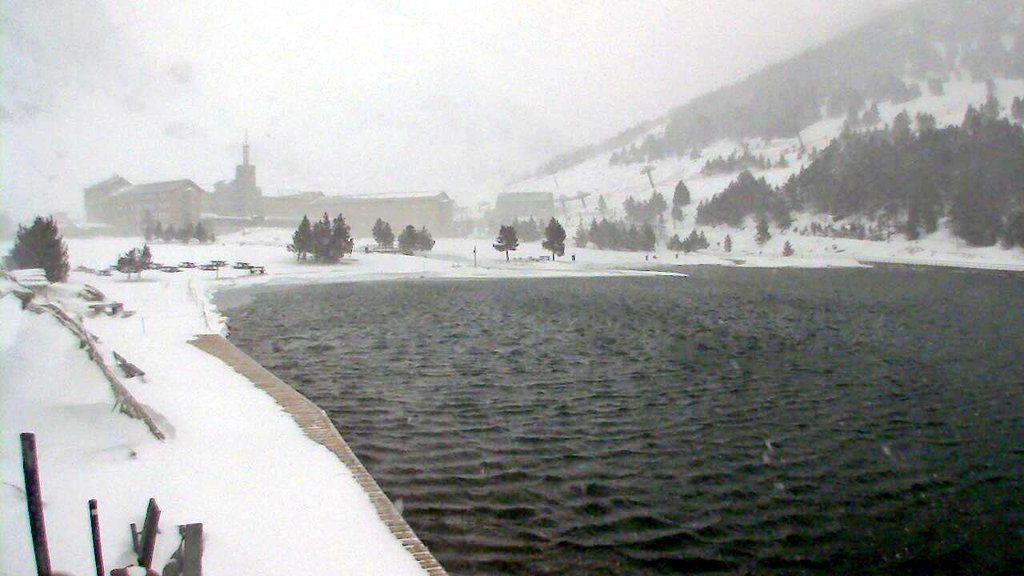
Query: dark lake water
[865,421]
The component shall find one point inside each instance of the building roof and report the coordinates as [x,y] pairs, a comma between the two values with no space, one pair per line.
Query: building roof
[115,182]
[159,187]
[526,197]
[442,196]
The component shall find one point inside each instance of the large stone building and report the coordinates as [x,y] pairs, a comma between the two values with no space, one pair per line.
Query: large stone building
[127,208]
[524,205]
[433,210]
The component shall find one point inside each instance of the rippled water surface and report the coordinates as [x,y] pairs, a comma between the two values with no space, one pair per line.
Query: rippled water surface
[736,421]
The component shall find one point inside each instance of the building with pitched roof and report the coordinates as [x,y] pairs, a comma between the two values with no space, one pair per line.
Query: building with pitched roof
[523,205]
[129,207]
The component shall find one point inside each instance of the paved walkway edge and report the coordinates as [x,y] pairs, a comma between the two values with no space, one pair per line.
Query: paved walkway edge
[316,425]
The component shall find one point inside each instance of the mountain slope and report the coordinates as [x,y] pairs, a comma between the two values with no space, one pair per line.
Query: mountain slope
[896,58]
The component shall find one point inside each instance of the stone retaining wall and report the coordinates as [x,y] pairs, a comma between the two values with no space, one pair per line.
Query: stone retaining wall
[315,424]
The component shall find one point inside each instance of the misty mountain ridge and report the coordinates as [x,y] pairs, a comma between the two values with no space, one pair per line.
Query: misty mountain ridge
[954,57]
[896,58]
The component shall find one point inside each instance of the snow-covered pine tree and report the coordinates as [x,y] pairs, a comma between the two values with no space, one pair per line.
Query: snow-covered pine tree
[40,246]
[763,234]
[554,238]
[507,240]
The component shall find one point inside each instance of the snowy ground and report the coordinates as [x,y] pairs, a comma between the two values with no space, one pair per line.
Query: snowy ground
[234,460]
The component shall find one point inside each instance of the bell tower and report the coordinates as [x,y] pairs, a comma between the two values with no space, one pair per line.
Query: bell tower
[247,196]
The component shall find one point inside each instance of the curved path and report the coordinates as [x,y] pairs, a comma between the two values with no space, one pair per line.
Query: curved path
[316,425]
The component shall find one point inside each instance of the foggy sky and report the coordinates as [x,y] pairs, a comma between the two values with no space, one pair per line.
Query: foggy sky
[360,97]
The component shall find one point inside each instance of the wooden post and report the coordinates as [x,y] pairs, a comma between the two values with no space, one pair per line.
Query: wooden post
[34,498]
[149,534]
[97,549]
[136,546]
[192,545]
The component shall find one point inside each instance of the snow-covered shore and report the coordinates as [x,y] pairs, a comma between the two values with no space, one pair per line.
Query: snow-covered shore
[272,500]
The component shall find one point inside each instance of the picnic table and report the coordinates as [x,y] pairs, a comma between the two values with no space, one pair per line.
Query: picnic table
[242,266]
[257,270]
[110,308]
[127,368]
[187,265]
[208,267]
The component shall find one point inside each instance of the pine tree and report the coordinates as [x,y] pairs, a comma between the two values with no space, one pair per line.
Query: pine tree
[40,246]
[763,235]
[554,238]
[128,263]
[186,233]
[972,121]
[681,195]
[647,238]
[787,249]
[925,122]
[382,234]
[656,206]
[340,240]
[424,241]
[602,206]
[581,237]
[158,231]
[507,240]
[1017,109]
[1015,229]
[302,239]
[901,127]
[871,116]
[727,245]
[322,238]
[146,258]
[201,234]
[990,109]
[407,240]
[674,243]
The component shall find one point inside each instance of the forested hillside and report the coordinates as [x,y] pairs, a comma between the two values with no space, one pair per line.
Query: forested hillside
[902,180]
[895,58]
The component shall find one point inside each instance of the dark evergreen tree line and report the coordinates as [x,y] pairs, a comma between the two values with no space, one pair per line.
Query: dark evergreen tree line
[695,241]
[973,173]
[528,230]
[734,163]
[743,197]
[327,240]
[645,211]
[618,235]
[154,230]
[413,240]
